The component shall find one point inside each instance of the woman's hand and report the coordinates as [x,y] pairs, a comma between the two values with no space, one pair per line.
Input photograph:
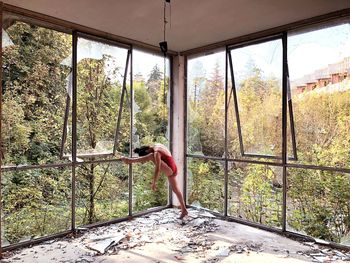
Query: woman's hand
[154,186]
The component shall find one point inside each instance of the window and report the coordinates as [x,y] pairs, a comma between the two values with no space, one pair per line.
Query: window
[34,92]
[321,113]
[255,100]
[206,105]
[151,74]
[102,97]
[46,192]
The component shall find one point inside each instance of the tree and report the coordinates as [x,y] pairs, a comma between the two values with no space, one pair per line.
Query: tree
[97,111]
[34,89]
[211,112]
[151,122]
[153,83]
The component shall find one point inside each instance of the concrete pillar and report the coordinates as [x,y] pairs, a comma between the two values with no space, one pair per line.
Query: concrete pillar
[178,120]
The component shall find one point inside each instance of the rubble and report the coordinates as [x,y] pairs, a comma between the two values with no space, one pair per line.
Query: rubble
[200,237]
[103,244]
[141,230]
[323,255]
[247,247]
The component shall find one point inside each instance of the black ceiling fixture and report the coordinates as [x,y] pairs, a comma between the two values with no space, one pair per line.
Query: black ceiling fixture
[164,48]
[164,45]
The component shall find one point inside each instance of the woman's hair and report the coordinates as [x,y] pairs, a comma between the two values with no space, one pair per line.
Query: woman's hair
[143,150]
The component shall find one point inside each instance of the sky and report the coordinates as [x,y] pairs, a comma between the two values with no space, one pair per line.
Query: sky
[315,50]
[307,52]
[143,62]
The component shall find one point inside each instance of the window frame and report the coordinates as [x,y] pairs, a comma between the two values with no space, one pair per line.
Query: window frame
[127,70]
[233,93]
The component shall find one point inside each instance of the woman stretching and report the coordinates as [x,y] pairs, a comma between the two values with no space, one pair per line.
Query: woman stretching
[164,162]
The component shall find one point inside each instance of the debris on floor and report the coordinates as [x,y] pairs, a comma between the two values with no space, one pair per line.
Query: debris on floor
[161,237]
[103,244]
[142,230]
[241,248]
[324,255]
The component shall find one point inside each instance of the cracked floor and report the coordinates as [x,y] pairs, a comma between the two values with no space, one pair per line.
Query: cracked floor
[161,237]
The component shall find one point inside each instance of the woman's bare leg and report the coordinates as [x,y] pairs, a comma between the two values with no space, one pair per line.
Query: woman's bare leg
[176,190]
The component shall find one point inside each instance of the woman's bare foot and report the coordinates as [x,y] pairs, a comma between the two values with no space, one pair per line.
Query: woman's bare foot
[183,214]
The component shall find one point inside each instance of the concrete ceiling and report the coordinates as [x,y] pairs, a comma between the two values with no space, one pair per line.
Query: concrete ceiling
[194,23]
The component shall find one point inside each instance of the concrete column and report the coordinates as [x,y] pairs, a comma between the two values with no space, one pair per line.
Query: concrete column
[178,120]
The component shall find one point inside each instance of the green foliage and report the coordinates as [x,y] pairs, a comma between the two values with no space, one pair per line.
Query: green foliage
[207,119]
[143,196]
[318,202]
[98,106]
[37,202]
[102,192]
[261,201]
[206,184]
[34,84]
[260,112]
[151,122]
[255,194]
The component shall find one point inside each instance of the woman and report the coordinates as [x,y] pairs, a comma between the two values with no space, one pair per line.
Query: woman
[165,163]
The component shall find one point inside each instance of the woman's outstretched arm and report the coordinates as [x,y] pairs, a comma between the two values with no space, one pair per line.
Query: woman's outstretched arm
[141,159]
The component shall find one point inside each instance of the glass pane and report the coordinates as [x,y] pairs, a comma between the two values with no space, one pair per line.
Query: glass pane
[206,105]
[102,192]
[318,204]
[233,142]
[205,184]
[151,99]
[101,69]
[36,203]
[35,89]
[258,84]
[255,193]
[151,124]
[143,196]
[319,68]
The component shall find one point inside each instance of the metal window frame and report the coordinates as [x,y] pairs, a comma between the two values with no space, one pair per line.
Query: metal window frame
[287,115]
[1,155]
[121,102]
[233,93]
[185,132]
[116,136]
[77,31]
[171,121]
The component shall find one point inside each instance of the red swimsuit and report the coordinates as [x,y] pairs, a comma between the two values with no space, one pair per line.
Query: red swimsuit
[169,160]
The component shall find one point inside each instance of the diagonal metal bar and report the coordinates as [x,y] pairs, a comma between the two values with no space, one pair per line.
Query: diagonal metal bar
[116,137]
[128,100]
[291,117]
[233,91]
[65,123]
[233,94]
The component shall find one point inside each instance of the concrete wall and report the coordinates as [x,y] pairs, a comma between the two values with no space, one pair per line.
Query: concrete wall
[178,119]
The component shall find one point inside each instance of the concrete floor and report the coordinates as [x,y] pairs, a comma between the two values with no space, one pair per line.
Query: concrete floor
[160,237]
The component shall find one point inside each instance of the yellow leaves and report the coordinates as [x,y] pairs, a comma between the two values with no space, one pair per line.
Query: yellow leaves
[203,169]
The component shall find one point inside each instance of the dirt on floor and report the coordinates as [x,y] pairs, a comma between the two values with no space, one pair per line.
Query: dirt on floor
[161,237]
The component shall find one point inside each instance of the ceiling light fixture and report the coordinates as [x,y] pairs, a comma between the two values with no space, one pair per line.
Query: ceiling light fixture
[164,45]
[164,49]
